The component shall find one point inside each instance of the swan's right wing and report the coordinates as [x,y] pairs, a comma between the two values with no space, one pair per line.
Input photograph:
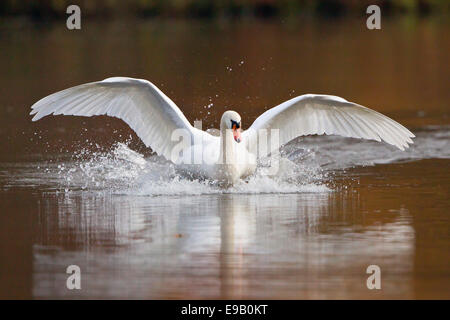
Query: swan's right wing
[146,109]
[324,114]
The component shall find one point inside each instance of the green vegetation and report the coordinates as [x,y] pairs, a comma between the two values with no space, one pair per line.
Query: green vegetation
[217,8]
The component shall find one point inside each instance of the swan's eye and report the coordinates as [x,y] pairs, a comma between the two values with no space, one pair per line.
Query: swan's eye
[235,123]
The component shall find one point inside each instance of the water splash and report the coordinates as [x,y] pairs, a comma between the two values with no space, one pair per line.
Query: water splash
[124,171]
[307,165]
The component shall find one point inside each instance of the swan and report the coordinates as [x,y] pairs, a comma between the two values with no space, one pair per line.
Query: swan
[233,154]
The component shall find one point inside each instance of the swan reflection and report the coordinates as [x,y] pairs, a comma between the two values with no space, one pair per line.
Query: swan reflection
[311,245]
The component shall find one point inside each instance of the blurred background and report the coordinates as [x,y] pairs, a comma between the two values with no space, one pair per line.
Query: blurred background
[43,9]
[310,236]
[209,56]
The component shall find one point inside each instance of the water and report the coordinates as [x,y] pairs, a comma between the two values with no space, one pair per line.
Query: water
[87,192]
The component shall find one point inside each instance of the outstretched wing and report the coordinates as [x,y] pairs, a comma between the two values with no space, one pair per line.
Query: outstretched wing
[323,114]
[146,109]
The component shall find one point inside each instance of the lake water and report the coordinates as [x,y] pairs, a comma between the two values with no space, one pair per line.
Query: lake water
[86,191]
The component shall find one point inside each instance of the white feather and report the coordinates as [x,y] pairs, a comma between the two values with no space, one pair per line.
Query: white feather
[147,110]
[323,114]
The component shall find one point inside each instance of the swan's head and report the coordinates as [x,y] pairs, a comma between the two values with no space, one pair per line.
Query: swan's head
[232,120]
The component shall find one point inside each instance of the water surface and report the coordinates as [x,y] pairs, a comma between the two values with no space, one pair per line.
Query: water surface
[87,192]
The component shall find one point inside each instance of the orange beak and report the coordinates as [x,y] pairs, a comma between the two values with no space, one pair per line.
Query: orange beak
[236,133]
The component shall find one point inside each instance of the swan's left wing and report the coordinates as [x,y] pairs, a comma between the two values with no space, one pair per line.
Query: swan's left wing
[146,109]
[323,114]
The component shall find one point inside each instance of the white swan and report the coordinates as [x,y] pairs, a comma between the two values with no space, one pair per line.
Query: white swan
[160,123]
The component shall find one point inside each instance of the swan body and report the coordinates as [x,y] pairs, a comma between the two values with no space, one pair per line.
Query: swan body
[232,155]
[222,159]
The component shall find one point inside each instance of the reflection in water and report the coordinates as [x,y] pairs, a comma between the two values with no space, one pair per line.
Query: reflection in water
[219,246]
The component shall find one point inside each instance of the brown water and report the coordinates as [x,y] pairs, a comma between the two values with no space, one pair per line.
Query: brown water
[70,195]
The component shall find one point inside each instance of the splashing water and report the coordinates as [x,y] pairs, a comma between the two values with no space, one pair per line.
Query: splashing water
[125,171]
[305,166]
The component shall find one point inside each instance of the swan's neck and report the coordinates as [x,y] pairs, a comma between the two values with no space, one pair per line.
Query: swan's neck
[226,145]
